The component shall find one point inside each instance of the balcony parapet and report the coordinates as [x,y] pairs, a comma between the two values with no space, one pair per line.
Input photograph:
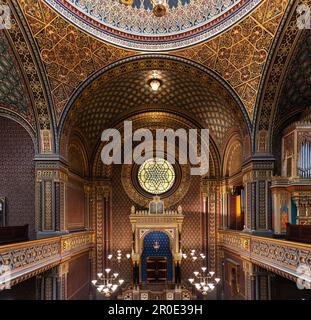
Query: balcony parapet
[279,256]
[24,260]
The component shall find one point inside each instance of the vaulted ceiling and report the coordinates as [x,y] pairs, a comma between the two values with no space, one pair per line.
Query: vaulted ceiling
[66,56]
[186,89]
[70,55]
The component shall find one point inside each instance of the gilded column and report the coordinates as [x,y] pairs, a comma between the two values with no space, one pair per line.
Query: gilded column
[257,176]
[52,284]
[212,189]
[51,184]
[103,223]
[257,282]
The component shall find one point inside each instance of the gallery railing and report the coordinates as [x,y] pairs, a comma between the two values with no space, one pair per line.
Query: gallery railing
[279,256]
[23,260]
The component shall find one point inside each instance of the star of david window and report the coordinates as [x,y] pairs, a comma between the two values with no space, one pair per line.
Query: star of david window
[156,176]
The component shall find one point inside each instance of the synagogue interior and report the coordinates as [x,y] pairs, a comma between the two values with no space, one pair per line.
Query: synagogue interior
[73,227]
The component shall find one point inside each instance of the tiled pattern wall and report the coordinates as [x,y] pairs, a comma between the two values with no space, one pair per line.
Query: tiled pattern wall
[79,278]
[17,177]
[75,205]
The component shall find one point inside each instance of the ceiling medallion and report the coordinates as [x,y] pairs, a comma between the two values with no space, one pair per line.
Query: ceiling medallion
[159,9]
[154,25]
[127,2]
[155,83]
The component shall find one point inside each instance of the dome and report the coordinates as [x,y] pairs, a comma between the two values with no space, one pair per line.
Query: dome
[136,24]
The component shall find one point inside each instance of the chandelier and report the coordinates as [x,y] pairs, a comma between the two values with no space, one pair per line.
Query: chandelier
[159,6]
[119,256]
[193,256]
[204,281]
[107,283]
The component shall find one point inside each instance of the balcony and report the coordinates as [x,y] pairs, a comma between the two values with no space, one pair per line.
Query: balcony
[279,256]
[26,259]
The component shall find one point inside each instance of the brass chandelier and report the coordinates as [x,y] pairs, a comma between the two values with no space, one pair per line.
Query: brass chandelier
[159,6]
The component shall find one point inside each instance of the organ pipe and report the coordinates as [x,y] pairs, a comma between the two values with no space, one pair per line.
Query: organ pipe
[304,163]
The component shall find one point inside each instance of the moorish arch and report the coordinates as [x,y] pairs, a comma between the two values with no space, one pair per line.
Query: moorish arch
[134,72]
[280,66]
[72,68]
[190,96]
[37,106]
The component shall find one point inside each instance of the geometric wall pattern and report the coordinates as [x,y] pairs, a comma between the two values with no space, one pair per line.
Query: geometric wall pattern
[205,100]
[296,92]
[13,90]
[238,55]
[17,178]
[70,56]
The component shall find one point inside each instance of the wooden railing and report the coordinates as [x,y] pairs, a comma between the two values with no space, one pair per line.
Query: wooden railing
[23,260]
[279,256]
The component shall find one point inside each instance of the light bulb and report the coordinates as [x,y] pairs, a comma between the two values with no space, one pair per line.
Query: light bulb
[94,282]
[128,256]
[121,281]
[217,280]
[212,273]
[116,275]
[110,257]
[191,281]
[107,270]
[99,275]
[203,269]
[155,84]
[196,273]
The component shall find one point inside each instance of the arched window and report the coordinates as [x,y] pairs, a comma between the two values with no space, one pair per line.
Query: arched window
[156,176]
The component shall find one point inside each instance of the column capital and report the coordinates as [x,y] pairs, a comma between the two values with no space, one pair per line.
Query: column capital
[209,186]
[258,169]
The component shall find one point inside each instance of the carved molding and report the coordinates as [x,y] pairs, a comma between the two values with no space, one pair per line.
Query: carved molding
[28,259]
[279,256]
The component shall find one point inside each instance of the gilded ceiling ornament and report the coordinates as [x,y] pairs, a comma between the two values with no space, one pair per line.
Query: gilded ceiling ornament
[154,25]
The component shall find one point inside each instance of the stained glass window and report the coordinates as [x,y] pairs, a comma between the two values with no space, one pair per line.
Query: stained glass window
[156,176]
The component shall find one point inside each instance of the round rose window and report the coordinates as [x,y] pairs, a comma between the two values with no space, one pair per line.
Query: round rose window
[156,176]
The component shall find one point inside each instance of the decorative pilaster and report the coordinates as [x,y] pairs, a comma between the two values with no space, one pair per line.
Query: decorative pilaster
[51,184]
[257,176]
[88,205]
[224,222]
[211,189]
[103,223]
[52,284]
[257,282]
